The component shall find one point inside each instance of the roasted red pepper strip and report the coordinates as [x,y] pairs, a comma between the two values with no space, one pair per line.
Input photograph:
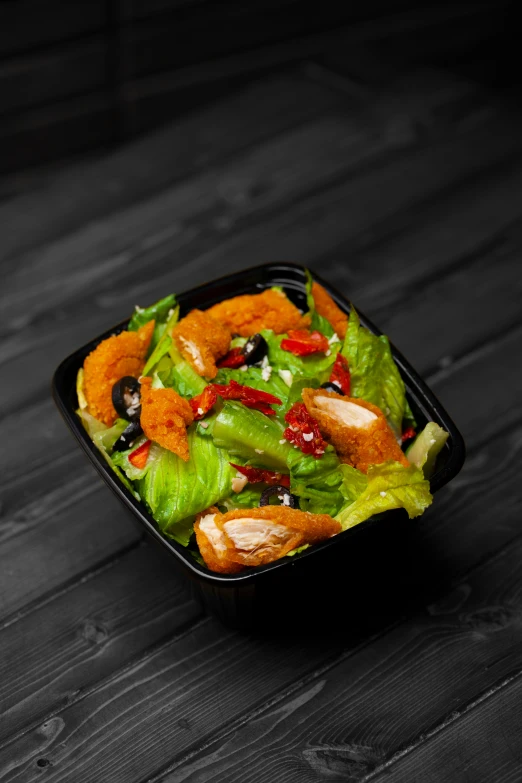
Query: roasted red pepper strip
[139,456]
[408,434]
[256,475]
[303,431]
[252,398]
[341,374]
[203,402]
[234,358]
[303,343]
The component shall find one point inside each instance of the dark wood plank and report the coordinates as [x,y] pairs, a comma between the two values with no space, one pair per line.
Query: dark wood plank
[67,70]
[348,721]
[176,696]
[330,720]
[483,744]
[84,534]
[82,193]
[27,24]
[87,633]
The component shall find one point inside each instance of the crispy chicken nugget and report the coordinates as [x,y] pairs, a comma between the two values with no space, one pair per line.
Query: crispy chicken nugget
[165,417]
[211,543]
[202,339]
[248,314]
[117,356]
[325,306]
[357,429]
[260,535]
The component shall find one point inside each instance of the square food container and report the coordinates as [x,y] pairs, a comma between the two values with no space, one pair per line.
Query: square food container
[339,580]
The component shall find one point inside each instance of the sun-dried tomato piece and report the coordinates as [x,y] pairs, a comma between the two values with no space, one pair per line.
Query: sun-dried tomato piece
[257,475]
[341,374]
[139,456]
[233,359]
[202,403]
[252,398]
[303,431]
[408,434]
[303,343]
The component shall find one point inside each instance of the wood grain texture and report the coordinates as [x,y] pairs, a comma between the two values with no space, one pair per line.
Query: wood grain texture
[350,719]
[87,633]
[482,745]
[185,701]
[84,192]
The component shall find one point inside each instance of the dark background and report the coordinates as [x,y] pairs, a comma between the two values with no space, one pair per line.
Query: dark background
[83,75]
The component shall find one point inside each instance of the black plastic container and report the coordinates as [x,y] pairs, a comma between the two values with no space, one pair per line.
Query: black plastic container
[361,566]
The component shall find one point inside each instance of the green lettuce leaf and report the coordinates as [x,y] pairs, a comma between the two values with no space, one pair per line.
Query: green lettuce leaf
[386,486]
[251,435]
[424,450]
[158,311]
[316,366]
[175,490]
[247,498]
[316,482]
[164,343]
[104,439]
[374,374]
[319,322]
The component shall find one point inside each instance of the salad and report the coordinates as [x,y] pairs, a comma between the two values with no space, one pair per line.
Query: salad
[252,430]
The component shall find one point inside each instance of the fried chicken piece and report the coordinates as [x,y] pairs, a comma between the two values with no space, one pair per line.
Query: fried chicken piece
[357,429]
[325,306]
[256,536]
[117,356]
[248,314]
[211,542]
[202,339]
[165,417]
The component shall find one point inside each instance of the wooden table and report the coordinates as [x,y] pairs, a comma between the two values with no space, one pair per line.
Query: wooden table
[407,194]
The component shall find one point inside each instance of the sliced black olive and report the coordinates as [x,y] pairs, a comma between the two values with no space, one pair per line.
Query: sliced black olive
[282,494]
[255,349]
[128,436]
[126,397]
[329,386]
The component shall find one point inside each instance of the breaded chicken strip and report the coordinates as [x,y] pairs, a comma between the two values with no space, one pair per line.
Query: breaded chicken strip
[248,314]
[211,543]
[117,356]
[325,306]
[165,417]
[202,339]
[357,429]
[256,536]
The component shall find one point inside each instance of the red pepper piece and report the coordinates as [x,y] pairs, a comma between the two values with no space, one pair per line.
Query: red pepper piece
[252,398]
[301,425]
[408,434]
[303,343]
[341,374]
[256,475]
[203,402]
[139,456]
[234,358]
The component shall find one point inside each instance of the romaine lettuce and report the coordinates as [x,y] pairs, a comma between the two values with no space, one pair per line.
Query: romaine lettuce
[158,311]
[374,374]
[175,490]
[386,486]
[251,435]
[316,365]
[319,322]
[424,450]
[315,481]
